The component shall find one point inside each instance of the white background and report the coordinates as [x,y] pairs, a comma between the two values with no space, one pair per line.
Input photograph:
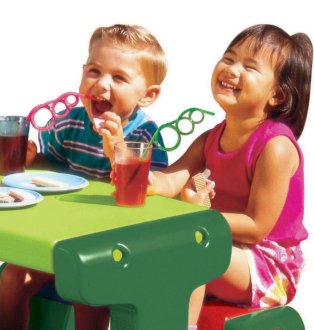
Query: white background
[44,44]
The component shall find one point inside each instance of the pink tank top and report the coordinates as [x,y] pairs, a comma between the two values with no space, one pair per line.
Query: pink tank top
[233,174]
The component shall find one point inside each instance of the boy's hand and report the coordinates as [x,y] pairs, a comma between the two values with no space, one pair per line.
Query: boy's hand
[111,130]
[113,177]
[31,152]
[150,185]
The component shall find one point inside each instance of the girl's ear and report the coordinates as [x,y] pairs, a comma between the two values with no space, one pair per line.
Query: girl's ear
[150,96]
[279,97]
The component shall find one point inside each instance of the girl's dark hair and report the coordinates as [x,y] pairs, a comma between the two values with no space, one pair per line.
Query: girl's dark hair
[293,70]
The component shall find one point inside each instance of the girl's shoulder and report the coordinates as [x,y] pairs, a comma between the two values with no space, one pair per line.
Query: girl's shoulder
[270,130]
[275,128]
[276,139]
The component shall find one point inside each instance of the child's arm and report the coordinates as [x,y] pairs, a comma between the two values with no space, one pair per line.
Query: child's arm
[35,159]
[274,169]
[111,131]
[31,152]
[171,181]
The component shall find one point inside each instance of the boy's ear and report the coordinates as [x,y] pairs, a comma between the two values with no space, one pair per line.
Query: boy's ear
[150,96]
[279,97]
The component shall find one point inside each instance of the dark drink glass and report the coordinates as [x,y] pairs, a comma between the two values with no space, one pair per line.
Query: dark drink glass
[13,144]
[132,164]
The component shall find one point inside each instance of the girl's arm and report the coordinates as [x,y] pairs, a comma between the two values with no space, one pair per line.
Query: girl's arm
[274,169]
[170,181]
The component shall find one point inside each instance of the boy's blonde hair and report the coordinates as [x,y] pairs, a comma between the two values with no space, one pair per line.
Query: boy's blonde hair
[138,38]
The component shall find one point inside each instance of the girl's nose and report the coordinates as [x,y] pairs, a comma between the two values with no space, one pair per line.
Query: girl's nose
[233,70]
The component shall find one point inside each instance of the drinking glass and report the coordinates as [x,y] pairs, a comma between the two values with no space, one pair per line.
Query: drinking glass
[132,164]
[13,144]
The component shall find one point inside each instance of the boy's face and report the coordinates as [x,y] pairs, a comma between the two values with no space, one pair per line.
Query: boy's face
[115,80]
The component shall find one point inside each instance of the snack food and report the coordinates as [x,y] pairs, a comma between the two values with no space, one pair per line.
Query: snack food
[199,181]
[21,195]
[5,198]
[47,182]
[98,122]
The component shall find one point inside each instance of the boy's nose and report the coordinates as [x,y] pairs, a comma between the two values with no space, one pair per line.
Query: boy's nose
[104,83]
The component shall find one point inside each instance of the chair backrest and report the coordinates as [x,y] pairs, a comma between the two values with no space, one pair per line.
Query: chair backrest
[277,318]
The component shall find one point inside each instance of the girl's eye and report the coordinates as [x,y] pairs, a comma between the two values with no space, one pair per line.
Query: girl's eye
[227,60]
[251,67]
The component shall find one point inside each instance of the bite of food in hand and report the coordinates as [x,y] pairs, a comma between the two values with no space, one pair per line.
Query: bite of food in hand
[199,181]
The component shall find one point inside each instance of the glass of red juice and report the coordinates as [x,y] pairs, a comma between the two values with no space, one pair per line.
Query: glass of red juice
[132,164]
[13,144]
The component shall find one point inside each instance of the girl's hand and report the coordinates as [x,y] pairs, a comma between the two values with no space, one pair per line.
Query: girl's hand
[111,130]
[200,197]
[31,152]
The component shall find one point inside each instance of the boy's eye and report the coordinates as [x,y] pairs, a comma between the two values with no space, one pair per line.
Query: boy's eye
[93,70]
[119,78]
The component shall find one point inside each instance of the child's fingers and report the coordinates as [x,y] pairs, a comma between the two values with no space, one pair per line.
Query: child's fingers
[202,197]
[31,152]
[150,186]
[113,175]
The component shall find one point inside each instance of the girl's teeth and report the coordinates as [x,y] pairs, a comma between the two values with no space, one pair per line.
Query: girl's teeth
[228,85]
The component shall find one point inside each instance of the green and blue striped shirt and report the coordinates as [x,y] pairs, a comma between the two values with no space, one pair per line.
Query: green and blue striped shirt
[73,145]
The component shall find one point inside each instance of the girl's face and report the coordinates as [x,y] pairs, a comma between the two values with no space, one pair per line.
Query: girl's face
[115,80]
[243,81]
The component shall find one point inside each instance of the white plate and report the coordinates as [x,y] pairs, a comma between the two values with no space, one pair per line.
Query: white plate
[24,181]
[5,190]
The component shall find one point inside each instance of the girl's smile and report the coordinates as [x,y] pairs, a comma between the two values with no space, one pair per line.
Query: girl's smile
[228,87]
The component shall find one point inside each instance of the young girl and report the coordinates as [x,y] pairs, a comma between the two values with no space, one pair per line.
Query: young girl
[262,82]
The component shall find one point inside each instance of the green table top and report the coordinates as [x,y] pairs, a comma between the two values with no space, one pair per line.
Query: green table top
[28,235]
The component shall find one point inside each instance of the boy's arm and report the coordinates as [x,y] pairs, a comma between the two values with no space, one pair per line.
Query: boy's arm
[35,159]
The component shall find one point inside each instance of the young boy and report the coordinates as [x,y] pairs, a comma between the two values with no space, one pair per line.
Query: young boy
[123,73]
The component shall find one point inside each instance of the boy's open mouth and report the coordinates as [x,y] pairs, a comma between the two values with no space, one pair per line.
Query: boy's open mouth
[100,106]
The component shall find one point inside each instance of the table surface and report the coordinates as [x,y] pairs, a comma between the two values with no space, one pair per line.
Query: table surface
[28,235]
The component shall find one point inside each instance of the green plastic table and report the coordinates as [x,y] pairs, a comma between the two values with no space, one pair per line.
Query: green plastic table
[144,262]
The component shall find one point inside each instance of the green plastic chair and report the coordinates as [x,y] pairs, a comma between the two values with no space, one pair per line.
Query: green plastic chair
[279,318]
[217,315]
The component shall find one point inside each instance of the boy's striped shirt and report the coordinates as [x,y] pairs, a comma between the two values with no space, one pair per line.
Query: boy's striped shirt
[73,145]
